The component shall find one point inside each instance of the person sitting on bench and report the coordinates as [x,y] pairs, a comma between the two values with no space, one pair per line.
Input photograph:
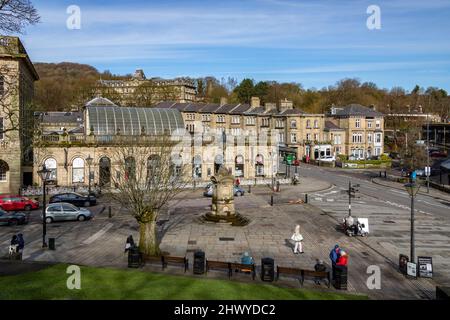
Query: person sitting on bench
[320,267]
[248,260]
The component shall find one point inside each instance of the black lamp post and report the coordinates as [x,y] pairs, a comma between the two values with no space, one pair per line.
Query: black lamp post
[412,189]
[45,175]
[89,162]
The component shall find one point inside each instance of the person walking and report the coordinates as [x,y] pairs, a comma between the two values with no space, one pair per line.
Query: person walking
[297,238]
[20,243]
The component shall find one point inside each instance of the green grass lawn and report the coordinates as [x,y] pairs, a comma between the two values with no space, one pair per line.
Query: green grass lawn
[106,283]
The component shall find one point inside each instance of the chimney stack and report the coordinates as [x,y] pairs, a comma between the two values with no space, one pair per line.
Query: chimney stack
[223,101]
[269,106]
[255,102]
[286,105]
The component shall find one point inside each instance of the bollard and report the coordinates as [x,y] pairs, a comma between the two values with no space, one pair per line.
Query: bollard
[271,200]
[109,212]
[379,174]
[249,188]
[385,176]
[306,198]
[255,181]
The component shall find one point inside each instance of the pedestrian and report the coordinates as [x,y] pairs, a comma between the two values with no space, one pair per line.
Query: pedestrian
[342,260]
[334,255]
[129,243]
[238,182]
[319,267]
[21,242]
[13,245]
[297,238]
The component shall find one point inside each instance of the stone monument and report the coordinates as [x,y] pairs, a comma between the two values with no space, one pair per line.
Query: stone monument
[222,207]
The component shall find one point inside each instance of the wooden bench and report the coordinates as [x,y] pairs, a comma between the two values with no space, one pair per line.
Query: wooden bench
[289,271]
[210,264]
[301,273]
[316,275]
[175,260]
[246,268]
[154,259]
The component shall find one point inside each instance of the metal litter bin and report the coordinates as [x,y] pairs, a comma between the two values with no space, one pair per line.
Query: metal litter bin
[134,257]
[267,269]
[51,244]
[340,279]
[199,262]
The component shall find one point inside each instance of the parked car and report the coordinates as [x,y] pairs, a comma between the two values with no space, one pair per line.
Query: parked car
[438,154]
[76,199]
[17,203]
[238,191]
[12,218]
[66,212]
[328,159]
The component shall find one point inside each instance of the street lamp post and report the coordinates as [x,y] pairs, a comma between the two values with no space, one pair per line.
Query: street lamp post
[45,175]
[89,162]
[412,189]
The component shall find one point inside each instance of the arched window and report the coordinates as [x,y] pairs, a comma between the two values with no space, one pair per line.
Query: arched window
[4,168]
[153,165]
[259,165]
[239,166]
[78,170]
[197,167]
[308,123]
[130,168]
[50,164]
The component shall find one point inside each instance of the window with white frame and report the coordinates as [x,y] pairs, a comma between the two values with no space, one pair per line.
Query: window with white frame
[293,124]
[293,138]
[378,138]
[308,124]
[369,124]
[358,123]
[235,120]
[78,170]
[50,164]
[357,138]
[316,124]
[250,121]
[3,170]
[316,137]
[279,123]
[190,116]
[220,118]
[369,138]
[308,136]
[236,131]
[337,139]
[206,117]
[378,124]
[377,151]
[281,137]
[265,122]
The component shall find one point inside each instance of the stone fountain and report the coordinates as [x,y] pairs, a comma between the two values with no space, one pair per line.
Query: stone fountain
[222,207]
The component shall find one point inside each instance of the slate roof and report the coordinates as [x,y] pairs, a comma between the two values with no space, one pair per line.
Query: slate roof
[357,110]
[289,112]
[329,125]
[62,117]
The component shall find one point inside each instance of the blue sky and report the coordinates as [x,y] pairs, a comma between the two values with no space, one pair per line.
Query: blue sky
[311,42]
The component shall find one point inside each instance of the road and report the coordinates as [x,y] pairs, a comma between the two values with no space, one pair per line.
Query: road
[388,210]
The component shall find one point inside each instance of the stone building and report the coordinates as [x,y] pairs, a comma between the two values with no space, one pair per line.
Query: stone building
[363,127]
[147,91]
[17,77]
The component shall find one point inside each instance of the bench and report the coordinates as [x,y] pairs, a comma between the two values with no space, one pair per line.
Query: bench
[301,273]
[175,260]
[246,268]
[154,259]
[219,265]
[316,275]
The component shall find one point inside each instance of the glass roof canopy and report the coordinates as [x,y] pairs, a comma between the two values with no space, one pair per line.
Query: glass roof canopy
[111,120]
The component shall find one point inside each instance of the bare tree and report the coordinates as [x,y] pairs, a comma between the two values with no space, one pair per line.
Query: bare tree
[148,176]
[15,15]
[9,95]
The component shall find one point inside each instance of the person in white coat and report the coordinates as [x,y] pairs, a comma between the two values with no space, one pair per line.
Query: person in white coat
[297,238]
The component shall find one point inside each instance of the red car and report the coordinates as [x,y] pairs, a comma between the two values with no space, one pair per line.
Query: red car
[17,203]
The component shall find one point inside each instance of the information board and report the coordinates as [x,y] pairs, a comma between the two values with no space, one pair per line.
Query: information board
[425,267]
[411,269]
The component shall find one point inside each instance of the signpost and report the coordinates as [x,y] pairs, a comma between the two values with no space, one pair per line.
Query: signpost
[411,269]
[425,267]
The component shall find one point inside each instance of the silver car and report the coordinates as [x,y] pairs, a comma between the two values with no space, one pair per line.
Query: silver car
[66,212]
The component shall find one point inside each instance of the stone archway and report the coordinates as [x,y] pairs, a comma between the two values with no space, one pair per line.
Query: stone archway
[4,177]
